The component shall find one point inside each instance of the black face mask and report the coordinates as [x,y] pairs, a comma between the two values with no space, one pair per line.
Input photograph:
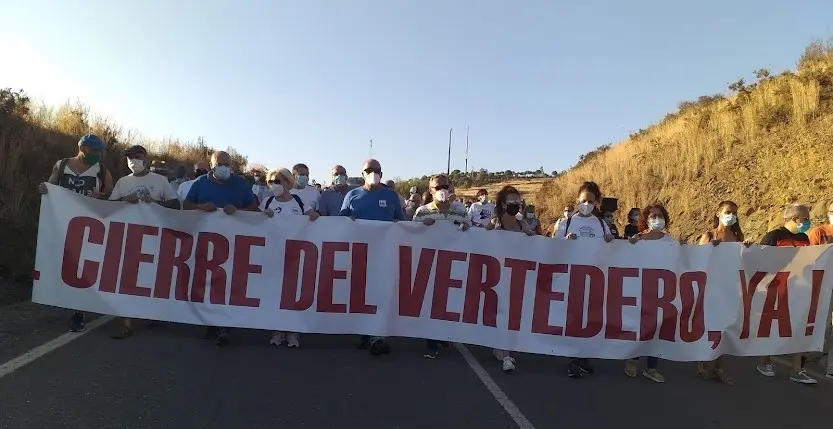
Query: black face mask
[200,172]
[513,209]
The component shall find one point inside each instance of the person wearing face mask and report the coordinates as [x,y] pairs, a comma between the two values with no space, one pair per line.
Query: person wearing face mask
[200,169]
[725,228]
[260,188]
[631,228]
[413,202]
[84,174]
[585,224]
[568,211]
[220,188]
[507,206]
[309,194]
[531,220]
[372,201]
[481,211]
[332,199]
[440,209]
[143,186]
[390,184]
[792,234]
[653,223]
[279,205]
[821,235]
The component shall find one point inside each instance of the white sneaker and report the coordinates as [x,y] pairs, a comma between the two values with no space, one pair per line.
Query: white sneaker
[292,340]
[278,338]
[508,364]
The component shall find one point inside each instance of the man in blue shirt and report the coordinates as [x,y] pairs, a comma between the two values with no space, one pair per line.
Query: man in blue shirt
[373,202]
[332,199]
[220,188]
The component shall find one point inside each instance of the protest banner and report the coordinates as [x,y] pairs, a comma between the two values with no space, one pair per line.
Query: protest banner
[492,288]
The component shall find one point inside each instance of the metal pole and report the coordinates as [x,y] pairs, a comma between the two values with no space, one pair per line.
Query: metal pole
[448,169]
[467,149]
[371,148]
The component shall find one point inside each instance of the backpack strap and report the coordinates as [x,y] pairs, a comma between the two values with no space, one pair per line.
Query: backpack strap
[602,222]
[269,202]
[62,166]
[300,203]
[567,225]
[102,173]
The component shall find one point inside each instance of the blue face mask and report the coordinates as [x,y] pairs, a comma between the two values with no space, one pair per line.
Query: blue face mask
[803,227]
[303,181]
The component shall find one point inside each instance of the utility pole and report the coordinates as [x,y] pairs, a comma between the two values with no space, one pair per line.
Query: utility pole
[448,170]
[467,149]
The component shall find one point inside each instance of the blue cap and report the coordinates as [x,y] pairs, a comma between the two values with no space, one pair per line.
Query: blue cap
[91,141]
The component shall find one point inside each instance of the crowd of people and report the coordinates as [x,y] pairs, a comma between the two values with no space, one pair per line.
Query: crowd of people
[288,192]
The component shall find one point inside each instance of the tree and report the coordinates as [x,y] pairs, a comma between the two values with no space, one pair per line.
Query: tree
[15,103]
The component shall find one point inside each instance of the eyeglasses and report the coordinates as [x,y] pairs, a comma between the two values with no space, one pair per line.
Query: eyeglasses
[440,187]
[372,170]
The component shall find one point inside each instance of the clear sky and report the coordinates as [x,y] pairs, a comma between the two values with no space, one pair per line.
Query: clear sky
[540,82]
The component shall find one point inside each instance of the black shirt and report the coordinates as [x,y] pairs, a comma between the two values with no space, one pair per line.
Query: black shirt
[631,230]
[782,237]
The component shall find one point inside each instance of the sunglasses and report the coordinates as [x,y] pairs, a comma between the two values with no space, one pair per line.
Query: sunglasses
[440,187]
[372,170]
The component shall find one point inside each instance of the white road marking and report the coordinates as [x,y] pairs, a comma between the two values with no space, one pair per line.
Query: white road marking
[41,350]
[501,397]
[817,375]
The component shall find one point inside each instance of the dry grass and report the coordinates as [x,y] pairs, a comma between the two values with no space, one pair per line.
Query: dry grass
[527,187]
[32,139]
[764,146]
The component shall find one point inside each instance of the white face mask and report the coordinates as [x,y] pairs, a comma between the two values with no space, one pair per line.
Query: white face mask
[585,208]
[656,224]
[519,216]
[136,165]
[339,180]
[530,215]
[442,195]
[222,172]
[830,218]
[482,198]
[373,178]
[728,220]
[566,214]
[277,189]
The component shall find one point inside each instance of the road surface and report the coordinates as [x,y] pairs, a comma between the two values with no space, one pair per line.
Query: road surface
[167,377]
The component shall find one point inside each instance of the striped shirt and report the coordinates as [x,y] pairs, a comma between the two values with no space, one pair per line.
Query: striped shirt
[457,213]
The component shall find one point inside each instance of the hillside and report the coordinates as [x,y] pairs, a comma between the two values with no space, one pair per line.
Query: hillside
[528,188]
[764,145]
[32,138]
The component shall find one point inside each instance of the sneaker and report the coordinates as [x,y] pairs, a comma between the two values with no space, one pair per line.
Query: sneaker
[77,323]
[802,377]
[631,368]
[585,366]
[210,333]
[223,338]
[508,364]
[278,338]
[574,370]
[829,374]
[364,342]
[122,333]
[292,340]
[379,347]
[653,375]
[431,353]
[766,369]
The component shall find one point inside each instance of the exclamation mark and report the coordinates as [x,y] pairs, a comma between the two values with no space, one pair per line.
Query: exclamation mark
[818,276]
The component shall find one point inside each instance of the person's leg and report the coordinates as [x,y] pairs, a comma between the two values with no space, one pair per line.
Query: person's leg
[432,349]
[125,331]
[223,338]
[799,375]
[651,371]
[574,369]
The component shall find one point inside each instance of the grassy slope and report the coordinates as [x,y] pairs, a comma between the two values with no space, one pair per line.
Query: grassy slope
[764,146]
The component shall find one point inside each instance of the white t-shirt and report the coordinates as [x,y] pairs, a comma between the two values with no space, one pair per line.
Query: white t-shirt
[152,184]
[282,208]
[184,187]
[309,196]
[481,213]
[583,227]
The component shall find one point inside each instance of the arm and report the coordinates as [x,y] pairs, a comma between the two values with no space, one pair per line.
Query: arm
[704,239]
[770,239]
[190,200]
[346,206]
[398,211]
[249,203]
[53,177]
[560,230]
[169,197]
[107,189]
[816,236]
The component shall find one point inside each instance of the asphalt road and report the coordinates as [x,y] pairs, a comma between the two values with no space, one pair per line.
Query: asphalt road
[167,377]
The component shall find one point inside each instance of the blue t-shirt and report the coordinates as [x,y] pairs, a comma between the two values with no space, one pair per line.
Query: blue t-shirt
[330,202]
[381,204]
[236,191]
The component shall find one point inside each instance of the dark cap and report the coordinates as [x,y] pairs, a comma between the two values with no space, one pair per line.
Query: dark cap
[135,150]
[91,141]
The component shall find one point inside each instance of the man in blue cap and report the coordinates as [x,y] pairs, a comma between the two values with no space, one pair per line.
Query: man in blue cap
[85,174]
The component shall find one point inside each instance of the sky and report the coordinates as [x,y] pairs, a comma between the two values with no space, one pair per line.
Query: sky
[537,82]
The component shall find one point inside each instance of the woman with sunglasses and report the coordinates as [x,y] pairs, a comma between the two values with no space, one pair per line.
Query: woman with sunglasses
[507,207]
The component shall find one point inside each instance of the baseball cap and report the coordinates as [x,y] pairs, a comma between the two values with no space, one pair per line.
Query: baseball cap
[135,150]
[91,141]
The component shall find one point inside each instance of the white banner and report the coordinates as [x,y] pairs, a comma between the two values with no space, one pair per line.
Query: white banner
[582,298]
